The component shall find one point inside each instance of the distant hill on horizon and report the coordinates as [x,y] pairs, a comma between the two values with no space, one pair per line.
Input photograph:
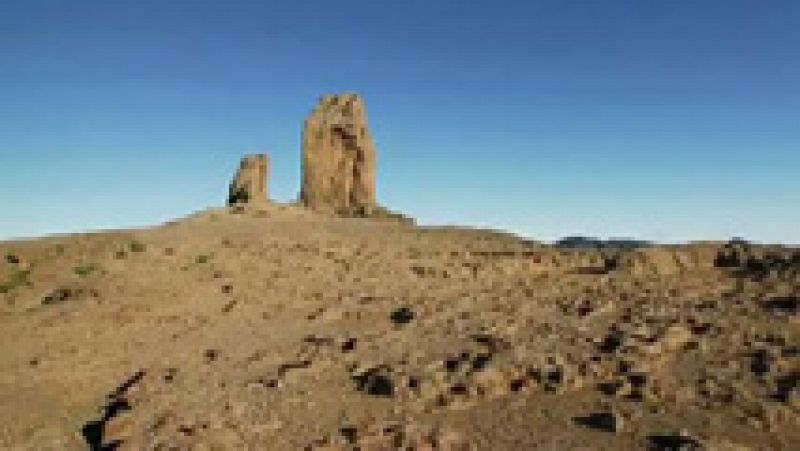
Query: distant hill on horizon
[585,242]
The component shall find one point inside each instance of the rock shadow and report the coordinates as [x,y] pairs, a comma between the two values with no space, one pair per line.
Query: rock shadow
[93,432]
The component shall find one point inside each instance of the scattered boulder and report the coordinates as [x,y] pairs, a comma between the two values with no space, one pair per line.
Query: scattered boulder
[60,295]
[782,304]
[375,381]
[603,421]
[673,442]
[402,315]
[338,157]
[210,355]
[349,345]
[249,186]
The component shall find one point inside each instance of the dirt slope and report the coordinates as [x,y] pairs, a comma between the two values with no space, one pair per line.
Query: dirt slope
[286,329]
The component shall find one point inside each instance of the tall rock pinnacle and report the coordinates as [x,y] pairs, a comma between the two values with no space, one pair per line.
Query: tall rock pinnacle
[338,156]
[249,186]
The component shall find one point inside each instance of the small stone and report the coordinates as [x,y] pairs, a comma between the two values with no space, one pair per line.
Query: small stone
[677,442]
[604,421]
[376,382]
[403,315]
[349,433]
[349,345]
[169,374]
[210,355]
[58,296]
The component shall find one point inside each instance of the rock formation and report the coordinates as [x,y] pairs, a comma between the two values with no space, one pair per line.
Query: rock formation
[338,157]
[250,184]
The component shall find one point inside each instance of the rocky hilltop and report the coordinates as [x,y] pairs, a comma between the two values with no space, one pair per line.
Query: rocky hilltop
[318,325]
[286,328]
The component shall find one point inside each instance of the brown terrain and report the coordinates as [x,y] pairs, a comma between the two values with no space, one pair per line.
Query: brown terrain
[336,324]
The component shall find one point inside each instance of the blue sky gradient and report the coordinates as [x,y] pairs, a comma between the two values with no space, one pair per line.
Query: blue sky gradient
[670,121]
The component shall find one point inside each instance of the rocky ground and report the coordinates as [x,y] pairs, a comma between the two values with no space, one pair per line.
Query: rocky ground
[281,329]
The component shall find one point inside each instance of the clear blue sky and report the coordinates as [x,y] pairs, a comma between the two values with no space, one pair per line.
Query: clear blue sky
[665,120]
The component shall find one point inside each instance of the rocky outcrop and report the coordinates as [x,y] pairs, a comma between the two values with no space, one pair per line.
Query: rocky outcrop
[661,261]
[338,157]
[249,186]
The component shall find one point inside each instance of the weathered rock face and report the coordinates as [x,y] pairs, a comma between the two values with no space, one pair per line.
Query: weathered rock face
[250,184]
[338,157]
